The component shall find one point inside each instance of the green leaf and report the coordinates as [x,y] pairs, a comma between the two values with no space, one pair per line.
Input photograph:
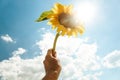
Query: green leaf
[44,15]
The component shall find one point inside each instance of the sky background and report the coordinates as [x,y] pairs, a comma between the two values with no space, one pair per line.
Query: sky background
[23,42]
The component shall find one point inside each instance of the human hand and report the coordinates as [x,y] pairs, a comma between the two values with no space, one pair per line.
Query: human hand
[52,66]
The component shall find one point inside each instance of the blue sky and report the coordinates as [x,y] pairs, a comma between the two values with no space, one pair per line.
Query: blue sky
[20,35]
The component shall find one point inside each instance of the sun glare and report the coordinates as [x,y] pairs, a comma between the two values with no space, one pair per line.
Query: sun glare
[85,12]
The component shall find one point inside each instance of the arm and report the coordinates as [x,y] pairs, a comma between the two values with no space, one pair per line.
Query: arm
[52,66]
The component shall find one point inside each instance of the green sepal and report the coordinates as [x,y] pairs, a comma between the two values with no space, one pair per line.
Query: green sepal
[44,16]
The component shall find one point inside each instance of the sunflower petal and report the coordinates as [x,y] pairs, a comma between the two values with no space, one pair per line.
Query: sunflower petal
[81,30]
[59,7]
[53,27]
[69,9]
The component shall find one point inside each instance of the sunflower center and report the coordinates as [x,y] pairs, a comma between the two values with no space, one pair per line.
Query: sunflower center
[66,20]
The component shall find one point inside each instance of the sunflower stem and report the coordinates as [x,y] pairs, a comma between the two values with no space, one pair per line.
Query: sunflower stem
[55,41]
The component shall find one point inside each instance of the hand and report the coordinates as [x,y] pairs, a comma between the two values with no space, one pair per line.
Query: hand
[52,66]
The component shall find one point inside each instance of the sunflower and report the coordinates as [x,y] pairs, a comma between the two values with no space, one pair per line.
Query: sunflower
[63,19]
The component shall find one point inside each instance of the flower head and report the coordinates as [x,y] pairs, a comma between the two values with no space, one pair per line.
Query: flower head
[63,19]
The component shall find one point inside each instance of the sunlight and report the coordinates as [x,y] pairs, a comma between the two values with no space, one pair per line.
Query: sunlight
[85,12]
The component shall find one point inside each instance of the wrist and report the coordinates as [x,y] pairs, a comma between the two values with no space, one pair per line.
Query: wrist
[52,75]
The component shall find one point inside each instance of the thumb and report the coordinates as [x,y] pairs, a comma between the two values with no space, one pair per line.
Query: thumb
[54,54]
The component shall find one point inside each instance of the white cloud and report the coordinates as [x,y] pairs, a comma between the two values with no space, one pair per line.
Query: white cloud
[18,69]
[66,44]
[7,38]
[76,56]
[20,51]
[112,60]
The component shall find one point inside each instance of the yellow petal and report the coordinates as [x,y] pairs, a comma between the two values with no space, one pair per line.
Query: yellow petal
[69,9]
[59,7]
[58,29]
[53,27]
[81,30]
[74,33]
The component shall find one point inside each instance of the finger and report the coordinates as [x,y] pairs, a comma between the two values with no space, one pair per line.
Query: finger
[45,65]
[54,53]
[49,53]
